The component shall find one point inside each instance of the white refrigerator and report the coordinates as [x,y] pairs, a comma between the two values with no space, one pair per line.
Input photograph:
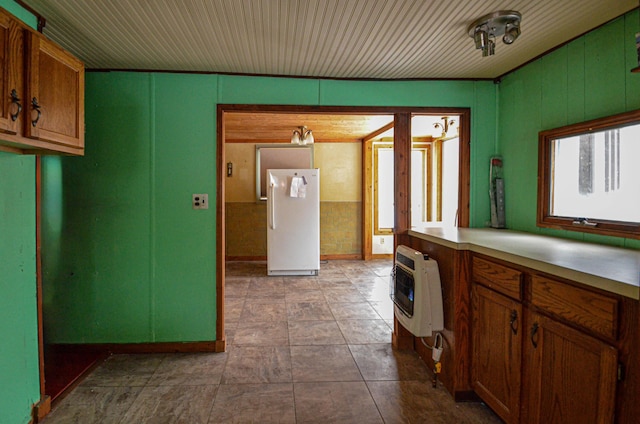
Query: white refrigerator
[293,221]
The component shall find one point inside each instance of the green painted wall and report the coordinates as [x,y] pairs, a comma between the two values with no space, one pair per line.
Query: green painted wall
[19,372]
[586,79]
[126,257]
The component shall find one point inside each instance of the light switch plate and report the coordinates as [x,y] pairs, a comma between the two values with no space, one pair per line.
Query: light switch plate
[200,201]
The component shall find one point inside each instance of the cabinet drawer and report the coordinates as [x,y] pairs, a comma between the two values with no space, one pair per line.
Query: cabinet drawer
[593,311]
[500,278]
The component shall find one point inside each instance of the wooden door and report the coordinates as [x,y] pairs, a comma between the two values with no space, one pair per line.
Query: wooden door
[496,351]
[55,94]
[570,377]
[11,74]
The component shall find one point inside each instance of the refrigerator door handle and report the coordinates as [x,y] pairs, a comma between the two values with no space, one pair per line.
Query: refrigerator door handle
[272,220]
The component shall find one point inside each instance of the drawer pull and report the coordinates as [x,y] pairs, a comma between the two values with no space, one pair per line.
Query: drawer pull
[534,332]
[513,322]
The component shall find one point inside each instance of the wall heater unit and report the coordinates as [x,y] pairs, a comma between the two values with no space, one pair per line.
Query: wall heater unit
[416,292]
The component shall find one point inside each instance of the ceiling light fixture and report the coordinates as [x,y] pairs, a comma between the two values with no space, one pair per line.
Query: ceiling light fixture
[446,124]
[485,30]
[302,136]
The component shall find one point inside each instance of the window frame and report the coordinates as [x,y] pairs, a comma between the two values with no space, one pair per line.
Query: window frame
[545,179]
[427,152]
[377,231]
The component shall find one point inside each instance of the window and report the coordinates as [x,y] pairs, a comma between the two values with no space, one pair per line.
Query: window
[383,179]
[422,186]
[589,178]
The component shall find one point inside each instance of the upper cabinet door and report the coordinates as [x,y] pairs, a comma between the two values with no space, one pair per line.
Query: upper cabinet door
[11,74]
[55,100]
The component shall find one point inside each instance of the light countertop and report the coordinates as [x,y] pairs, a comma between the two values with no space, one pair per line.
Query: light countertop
[613,269]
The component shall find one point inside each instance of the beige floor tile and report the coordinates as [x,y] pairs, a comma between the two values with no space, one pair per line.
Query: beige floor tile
[236,287]
[189,369]
[294,283]
[335,402]
[94,405]
[343,294]
[353,310]
[382,362]
[360,331]
[233,308]
[418,402]
[314,295]
[254,403]
[266,287]
[359,273]
[323,363]
[264,309]
[253,364]
[124,370]
[314,333]
[172,404]
[273,333]
[384,308]
[308,311]
[377,293]
[334,282]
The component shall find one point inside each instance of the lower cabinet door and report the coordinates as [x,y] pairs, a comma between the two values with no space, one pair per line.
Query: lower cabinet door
[570,377]
[496,351]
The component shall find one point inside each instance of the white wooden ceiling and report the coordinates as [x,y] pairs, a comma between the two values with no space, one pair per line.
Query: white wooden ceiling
[382,39]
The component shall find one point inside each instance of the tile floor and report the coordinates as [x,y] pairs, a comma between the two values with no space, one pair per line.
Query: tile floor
[300,350]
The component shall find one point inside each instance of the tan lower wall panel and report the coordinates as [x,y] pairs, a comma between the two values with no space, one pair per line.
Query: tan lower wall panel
[340,228]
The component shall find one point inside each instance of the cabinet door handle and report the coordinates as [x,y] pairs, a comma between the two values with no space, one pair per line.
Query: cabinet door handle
[513,322]
[16,101]
[534,332]
[36,107]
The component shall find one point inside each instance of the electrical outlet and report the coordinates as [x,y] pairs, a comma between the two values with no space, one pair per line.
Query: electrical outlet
[381,240]
[200,201]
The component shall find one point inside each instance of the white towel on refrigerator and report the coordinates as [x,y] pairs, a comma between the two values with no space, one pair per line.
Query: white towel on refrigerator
[298,187]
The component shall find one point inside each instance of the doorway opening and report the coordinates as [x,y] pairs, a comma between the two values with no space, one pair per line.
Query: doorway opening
[242,126]
[434,165]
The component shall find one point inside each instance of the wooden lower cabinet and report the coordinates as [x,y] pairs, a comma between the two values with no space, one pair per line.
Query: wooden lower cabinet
[540,357]
[496,351]
[569,376]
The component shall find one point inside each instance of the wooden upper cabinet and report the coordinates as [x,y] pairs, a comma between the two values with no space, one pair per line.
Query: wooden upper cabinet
[11,74]
[55,93]
[42,91]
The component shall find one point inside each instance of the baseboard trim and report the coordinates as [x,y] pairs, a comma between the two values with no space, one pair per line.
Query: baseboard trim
[337,257]
[466,396]
[41,409]
[382,256]
[341,257]
[163,347]
[246,258]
